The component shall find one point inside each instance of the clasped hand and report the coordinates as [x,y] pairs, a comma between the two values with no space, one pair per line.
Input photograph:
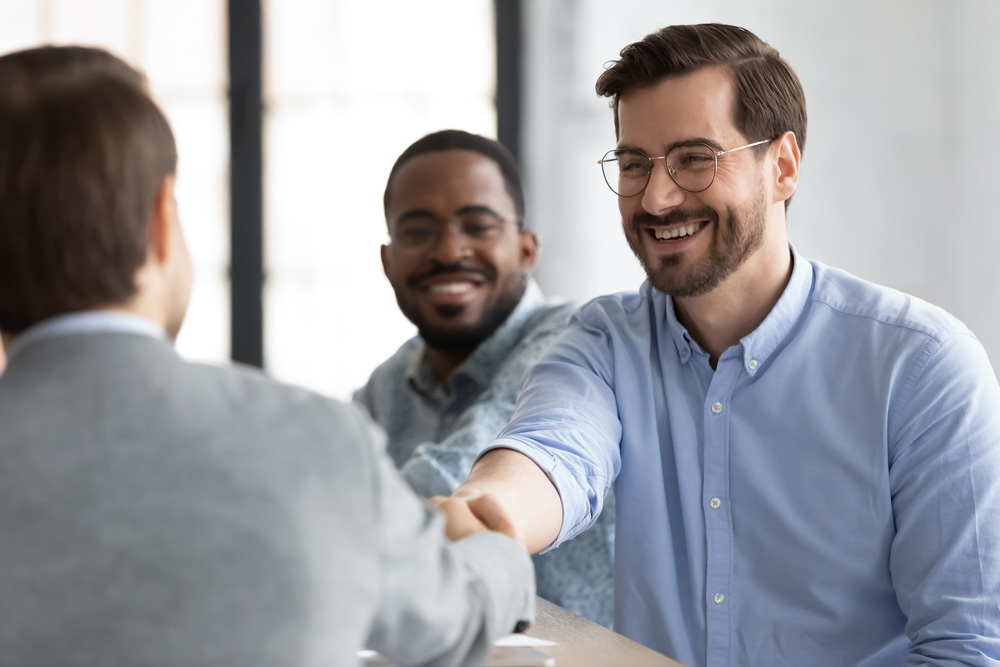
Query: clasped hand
[468,511]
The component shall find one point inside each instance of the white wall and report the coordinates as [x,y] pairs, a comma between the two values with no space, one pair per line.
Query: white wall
[902,156]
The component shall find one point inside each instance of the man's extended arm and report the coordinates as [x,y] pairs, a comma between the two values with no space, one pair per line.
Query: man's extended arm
[551,467]
[511,494]
[442,603]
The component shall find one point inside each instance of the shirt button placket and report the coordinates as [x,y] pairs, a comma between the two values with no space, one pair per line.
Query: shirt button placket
[718,528]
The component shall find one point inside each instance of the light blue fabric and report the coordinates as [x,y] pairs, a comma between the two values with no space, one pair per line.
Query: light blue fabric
[828,496]
[434,436]
[87,322]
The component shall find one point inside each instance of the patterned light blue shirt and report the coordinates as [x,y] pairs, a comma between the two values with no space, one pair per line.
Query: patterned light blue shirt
[435,436]
[828,496]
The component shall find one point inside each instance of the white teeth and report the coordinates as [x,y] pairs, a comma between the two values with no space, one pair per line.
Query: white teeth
[676,232]
[450,288]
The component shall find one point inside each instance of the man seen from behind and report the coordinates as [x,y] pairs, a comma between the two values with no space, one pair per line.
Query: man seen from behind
[158,512]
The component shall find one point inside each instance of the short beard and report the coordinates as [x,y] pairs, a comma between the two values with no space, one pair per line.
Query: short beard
[738,235]
[468,338]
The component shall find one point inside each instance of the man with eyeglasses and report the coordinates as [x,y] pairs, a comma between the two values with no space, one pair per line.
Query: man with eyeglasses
[459,259]
[806,465]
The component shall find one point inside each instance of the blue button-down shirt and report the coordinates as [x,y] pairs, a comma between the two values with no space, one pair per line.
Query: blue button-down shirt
[434,435]
[829,495]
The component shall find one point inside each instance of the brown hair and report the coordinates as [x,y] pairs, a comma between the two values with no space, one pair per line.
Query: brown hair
[83,154]
[769,98]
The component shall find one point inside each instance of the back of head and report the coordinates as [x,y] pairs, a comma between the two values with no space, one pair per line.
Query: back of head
[459,140]
[83,153]
[769,96]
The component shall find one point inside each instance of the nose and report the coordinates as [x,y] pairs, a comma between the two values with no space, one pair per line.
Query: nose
[661,192]
[451,244]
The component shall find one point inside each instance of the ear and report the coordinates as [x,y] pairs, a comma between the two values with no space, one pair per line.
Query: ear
[786,172]
[162,225]
[384,251]
[528,245]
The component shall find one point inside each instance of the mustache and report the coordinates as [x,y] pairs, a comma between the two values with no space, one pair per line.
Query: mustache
[644,218]
[488,273]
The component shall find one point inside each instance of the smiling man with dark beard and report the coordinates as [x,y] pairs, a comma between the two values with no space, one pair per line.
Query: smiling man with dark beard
[459,259]
[806,465]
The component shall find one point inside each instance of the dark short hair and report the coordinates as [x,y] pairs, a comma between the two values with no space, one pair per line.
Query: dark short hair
[769,97]
[458,140]
[83,154]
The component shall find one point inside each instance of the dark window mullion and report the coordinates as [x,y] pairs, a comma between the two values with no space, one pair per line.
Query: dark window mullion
[246,181]
[508,99]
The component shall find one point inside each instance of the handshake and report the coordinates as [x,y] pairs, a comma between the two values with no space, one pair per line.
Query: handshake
[469,511]
[508,493]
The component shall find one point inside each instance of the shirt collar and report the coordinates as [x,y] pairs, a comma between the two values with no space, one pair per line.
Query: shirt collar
[87,322]
[482,364]
[760,343]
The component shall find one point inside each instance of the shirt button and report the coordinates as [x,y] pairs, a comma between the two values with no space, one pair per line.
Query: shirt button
[715,503]
[684,353]
[716,407]
[719,598]
[752,364]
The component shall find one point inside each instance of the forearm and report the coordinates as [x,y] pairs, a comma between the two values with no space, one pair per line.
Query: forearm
[441,603]
[523,491]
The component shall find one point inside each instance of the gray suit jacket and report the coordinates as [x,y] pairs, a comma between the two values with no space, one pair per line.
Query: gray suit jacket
[158,512]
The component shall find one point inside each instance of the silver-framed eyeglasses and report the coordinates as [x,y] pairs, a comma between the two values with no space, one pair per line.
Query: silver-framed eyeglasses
[691,166]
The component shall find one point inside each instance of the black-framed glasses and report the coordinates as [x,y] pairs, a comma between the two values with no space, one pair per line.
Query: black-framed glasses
[419,233]
[691,166]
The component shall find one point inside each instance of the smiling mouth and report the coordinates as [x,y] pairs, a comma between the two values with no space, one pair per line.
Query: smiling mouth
[678,232]
[451,288]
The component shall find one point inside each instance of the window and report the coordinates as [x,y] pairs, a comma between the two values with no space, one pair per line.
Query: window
[343,78]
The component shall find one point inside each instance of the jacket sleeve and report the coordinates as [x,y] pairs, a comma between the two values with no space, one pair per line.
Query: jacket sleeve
[441,603]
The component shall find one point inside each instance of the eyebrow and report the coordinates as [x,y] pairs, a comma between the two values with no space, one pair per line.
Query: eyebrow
[424,214]
[479,208]
[669,147]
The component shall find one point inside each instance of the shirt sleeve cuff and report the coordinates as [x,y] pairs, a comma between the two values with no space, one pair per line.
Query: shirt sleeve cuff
[578,512]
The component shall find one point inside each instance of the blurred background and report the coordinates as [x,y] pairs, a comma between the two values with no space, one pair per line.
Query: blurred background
[289,114]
